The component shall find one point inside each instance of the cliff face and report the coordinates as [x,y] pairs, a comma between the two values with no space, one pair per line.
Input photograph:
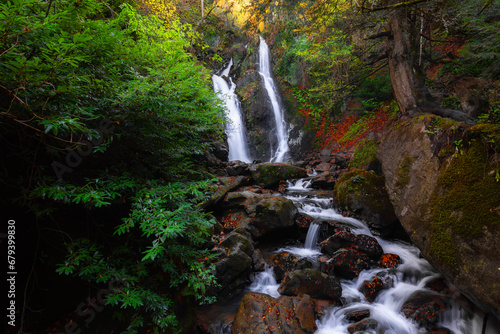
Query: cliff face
[443,180]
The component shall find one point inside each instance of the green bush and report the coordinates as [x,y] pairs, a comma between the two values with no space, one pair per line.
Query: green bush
[68,67]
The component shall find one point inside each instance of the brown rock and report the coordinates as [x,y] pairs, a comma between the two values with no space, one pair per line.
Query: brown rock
[311,282]
[439,175]
[261,313]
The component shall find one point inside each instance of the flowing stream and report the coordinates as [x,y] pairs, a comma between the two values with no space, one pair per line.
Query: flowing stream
[410,276]
[278,153]
[235,130]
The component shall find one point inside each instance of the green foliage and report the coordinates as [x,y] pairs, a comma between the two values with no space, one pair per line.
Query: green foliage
[451,102]
[173,229]
[374,90]
[67,67]
[493,115]
[364,153]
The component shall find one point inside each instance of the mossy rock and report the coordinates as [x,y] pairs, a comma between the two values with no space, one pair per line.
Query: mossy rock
[269,174]
[467,199]
[443,179]
[363,192]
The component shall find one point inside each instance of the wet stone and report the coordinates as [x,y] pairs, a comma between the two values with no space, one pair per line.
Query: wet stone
[390,260]
[356,316]
[370,289]
[363,325]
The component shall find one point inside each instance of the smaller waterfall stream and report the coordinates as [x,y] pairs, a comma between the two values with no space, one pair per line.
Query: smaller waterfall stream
[280,152]
[235,130]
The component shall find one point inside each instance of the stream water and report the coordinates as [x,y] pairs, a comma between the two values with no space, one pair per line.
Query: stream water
[278,153]
[410,276]
[235,129]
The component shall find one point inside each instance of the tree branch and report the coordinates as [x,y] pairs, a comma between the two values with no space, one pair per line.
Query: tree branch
[394,6]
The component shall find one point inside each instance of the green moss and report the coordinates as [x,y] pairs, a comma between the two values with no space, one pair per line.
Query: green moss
[362,186]
[403,174]
[355,129]
[364,153]
[466,199]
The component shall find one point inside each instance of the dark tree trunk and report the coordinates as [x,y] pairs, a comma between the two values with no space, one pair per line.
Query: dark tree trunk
[407,80]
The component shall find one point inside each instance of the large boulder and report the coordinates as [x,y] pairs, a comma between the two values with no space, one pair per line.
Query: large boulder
[238,261]
[425,307]
[363,192]
[285,262]
[442,179]
[261,313]
[361,242]
[269,174]
[346,263]
[259,214]
[311,282]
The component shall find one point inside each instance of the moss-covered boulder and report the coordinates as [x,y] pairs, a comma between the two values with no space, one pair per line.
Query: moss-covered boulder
[259,214]
[364,193]
[269,174]
[443,179]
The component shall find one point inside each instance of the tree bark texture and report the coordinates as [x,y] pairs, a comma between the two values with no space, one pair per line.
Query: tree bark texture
[407,79]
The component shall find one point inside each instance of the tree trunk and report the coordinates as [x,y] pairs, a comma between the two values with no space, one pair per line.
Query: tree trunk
[407,80]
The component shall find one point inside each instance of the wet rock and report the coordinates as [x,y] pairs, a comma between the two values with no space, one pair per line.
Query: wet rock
[261,313]
[220,151]
[259,264]
[311,282]
[239,239]
[323,167]
[361,242]
[357,315]
[283,263]
[259,214]
[346,263]
[303,220]
[424,307]
[325,180]
[334,227]
[222,187]
[238,168]
[370,289]
[269,174]
[256,106]
[390,260]
[363,325]
[363,192]
[233,270]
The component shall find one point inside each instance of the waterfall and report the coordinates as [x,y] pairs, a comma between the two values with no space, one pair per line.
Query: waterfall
[281,133]
[312,236]
[265,282]
[235,130]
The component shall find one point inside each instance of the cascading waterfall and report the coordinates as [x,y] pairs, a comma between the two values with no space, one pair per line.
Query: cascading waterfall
[312,236]
[411,276]
[280,152]
[265,282]
[235,130]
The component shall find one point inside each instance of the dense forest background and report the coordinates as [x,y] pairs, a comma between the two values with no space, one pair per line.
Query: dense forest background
[108,126]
